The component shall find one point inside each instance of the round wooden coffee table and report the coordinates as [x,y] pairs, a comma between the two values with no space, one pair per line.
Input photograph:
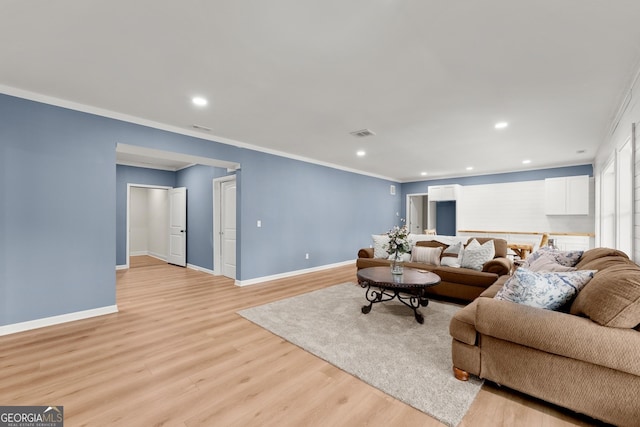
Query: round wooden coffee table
[408,288]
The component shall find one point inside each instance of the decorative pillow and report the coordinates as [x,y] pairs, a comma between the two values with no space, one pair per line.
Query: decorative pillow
[549,290]
[612,298]
[566,258]
[426,255]
[450,262]
[380,241]
[547,262]
[476,255]
[451,256]
[453,250]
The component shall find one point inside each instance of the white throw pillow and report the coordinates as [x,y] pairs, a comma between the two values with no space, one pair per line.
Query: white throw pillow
[549,290]
[476,255]
[380,242]
[451,256]
[426,255]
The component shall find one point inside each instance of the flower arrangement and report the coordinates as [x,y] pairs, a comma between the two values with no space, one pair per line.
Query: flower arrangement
[398,241]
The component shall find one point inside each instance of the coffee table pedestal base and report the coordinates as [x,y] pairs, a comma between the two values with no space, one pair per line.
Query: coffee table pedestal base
[410,298]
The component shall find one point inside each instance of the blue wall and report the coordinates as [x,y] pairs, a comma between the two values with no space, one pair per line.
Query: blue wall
[306,208]
[61,216]
[58,206]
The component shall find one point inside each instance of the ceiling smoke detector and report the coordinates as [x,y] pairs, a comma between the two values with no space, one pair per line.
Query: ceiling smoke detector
[362,133]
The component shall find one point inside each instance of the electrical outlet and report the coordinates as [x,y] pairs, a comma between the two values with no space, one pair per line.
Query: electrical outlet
[306,256]
[259,223]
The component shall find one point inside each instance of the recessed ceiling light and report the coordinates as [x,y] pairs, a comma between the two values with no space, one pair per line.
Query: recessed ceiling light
[526,162]
[199,101]
[501,125]
[469,168]
[423,173]
[360,153]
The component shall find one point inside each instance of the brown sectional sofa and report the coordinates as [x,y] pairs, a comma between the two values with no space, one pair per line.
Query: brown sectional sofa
[459,283]
[585,358]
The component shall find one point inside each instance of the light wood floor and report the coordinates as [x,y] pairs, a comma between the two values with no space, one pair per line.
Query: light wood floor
[177,354]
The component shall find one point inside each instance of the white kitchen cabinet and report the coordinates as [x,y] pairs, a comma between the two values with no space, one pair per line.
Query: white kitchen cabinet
[567,195]
[442,193]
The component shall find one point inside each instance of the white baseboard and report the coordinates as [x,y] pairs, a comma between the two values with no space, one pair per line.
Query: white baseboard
[157,256]
[198,268]
[292,273]
[55,320]
[122,267]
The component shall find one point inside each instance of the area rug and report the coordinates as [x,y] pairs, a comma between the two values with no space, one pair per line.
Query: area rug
[386,348]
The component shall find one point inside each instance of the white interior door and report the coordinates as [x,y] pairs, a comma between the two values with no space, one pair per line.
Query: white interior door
[178,227]
[228,228]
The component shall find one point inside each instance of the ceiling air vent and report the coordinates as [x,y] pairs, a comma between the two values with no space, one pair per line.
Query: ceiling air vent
[204,128]
[362,133]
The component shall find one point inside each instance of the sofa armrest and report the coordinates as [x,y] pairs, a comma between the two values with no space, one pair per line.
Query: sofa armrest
[365,253]
[499,266]
[560,333]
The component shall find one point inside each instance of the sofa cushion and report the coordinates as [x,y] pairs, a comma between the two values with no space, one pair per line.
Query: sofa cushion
[475,255]
[426,255]
[596,253]
[465,276]
[604,262]
[612,298]
[549,290]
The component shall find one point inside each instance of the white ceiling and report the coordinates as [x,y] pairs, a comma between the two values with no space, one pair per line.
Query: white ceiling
[429,77]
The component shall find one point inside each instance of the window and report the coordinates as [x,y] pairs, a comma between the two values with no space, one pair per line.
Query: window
[608,206]
[624,209]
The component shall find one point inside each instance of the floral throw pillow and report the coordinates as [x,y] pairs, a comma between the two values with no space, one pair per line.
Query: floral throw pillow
[476,255]
[566,258]
[548,290]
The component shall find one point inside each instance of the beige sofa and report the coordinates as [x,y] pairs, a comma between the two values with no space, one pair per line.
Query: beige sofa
[459,283]
[586,359]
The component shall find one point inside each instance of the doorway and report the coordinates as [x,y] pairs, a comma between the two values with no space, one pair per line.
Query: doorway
[417,213]
[147,225]
[224,226]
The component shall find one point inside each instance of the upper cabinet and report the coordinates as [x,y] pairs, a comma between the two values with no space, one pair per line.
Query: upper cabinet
[441,193]
[567,195]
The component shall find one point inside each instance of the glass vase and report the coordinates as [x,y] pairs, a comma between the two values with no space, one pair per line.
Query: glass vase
[396,265]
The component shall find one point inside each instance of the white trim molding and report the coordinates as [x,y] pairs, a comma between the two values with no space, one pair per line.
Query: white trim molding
[292,273]
[202,269]
[56,320]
